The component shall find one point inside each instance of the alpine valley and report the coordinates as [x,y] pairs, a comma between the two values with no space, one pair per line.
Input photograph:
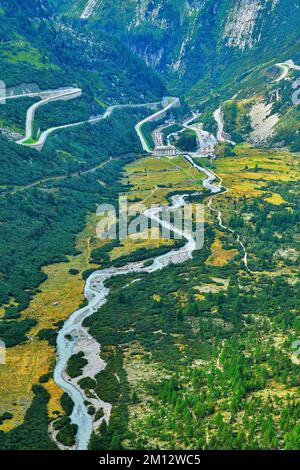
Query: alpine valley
[148,341]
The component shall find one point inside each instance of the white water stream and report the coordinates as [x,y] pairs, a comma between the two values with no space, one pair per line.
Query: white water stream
[96,294]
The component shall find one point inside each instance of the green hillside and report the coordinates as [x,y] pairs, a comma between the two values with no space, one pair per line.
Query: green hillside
[208,51]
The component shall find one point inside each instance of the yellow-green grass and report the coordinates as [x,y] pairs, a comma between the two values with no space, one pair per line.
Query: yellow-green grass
[20,50]
[59,296]
[54,405]
[263,167]
[252,169]
[145,176]
[275,199]
[103,105]
[219,256]
[25,364]
[149,174]
[62,292]
[149,239]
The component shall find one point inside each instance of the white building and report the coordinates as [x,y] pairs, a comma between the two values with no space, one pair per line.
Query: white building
[167,150]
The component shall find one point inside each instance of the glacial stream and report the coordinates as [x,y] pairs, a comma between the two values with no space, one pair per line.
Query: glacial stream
[96,294]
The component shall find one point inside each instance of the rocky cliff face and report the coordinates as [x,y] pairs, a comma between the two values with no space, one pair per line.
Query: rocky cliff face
[163,32]
[192,40]
[241,24]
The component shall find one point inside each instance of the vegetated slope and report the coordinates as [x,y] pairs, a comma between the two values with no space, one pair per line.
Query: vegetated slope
[263,109]
[198,44]
[202,358]
[211,51]
[46,196]
[39,47]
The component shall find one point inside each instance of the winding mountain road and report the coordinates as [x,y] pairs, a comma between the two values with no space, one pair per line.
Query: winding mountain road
[65,94]
[40,142]
[205,139]
[286,67]
[171,102]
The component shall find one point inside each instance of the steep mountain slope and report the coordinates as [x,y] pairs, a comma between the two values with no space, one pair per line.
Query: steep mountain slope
[198,40]
[265,108]
[211,52]
[37,43]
